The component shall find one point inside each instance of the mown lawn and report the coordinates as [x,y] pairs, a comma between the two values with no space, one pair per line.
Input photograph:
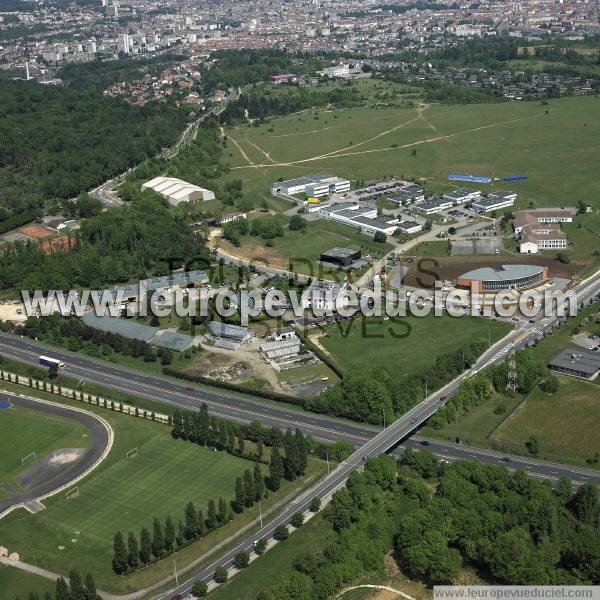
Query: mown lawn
[407,346]
[299,251]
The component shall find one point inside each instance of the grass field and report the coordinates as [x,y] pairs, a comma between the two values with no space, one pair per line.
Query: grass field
[24,431]
[557,150]
[563,422]
[375,342]
[122,494]
[301,250]
[19,584]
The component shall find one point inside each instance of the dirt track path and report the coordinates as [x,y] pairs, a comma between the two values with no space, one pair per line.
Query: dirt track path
[341,152]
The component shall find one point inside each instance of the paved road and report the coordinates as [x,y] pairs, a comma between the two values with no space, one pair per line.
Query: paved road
[104,191]
[100,438]
[381,442]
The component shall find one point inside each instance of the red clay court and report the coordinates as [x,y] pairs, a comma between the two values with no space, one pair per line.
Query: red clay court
[36,231]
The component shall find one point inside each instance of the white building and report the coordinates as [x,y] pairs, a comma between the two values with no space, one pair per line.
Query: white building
[495,201]
[124,42]
[317,185]
[322,296]
[362,217]
[409,227]
[462,196]
[177,191]
[431,207]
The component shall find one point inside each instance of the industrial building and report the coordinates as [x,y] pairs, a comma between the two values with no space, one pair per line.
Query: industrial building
[165,283]
[508,277]
[408,195]
[342,257]
[540,230]
[431,207]
[315,185]
[177,191]
[322,295]
[409,227]
[461,196]
[495,201]
[575,361]
[230,337]
[362,217]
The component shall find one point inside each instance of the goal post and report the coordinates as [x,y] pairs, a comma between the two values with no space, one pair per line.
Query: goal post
[29,458]
[72,493]
[132,453]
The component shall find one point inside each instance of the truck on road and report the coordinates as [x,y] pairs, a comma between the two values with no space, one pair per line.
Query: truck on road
[48,361]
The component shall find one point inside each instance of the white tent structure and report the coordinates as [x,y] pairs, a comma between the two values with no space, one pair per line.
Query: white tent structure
[177,191]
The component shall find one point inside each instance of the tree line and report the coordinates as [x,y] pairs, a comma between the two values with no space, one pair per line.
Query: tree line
[379,395]
[288,460]
[75,335]
[145,237]
[199,427]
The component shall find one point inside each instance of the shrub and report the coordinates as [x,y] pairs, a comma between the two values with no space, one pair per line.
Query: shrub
[221,574]
[297,520]
[241,560]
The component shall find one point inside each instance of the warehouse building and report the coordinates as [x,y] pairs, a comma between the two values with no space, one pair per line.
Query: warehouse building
[227,336]
[461,196]
[315,185]
[575,361]
[508,277]
[495,201]
[362,217]
[177,191]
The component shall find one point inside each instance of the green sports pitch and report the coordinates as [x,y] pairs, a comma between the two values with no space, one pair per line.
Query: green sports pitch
[122,494]
[28,435]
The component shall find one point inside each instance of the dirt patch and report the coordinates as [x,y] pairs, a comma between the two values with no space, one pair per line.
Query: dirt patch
[49,467]
[451,267]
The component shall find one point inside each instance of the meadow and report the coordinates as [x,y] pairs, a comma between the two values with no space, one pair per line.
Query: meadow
[561,422]
[406,346]
[555,144]
[25,431]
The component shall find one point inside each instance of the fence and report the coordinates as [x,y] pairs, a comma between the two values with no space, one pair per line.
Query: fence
[50,387]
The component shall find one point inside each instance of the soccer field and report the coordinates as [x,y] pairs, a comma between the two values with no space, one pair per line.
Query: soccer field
[25,431]
[122,494]
[407,346]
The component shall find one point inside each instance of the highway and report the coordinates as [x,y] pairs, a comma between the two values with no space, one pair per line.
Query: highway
[388,438]
[244,409]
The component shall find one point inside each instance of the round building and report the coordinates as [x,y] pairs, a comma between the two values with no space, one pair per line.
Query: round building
[506,277]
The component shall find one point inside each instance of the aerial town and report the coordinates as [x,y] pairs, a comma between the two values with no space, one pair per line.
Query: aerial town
[299,300]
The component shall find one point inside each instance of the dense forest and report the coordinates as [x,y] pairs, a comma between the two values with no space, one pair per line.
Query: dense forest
[120,244]
[56,142]
[442,521]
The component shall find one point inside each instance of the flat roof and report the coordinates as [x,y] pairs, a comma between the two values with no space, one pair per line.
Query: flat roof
[577,359]
[492,200]
[463,192]
[340,252]
[505,273]
[305,179]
